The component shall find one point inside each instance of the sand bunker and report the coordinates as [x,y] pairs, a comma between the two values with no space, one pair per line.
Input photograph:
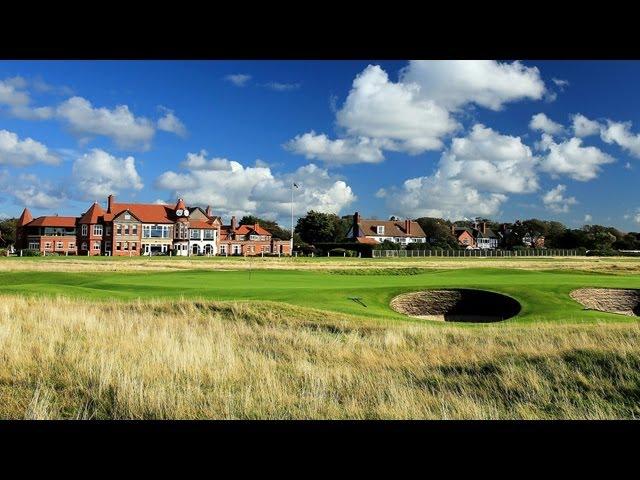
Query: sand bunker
[459,305]
[612,300]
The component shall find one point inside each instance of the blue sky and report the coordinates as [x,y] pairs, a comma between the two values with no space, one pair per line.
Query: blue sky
[452,139]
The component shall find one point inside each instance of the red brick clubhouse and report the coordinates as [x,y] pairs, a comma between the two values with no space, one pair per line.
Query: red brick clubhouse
[144,229]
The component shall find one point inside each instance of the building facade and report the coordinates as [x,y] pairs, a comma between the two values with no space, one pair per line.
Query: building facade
[132,229]
[374,232]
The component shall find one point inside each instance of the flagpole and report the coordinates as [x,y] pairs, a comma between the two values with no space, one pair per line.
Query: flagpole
[291,247]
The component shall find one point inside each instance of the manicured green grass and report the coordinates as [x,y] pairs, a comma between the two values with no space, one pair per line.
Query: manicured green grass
[544,295]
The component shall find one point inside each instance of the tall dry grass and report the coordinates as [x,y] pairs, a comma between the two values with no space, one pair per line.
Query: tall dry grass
[62,358]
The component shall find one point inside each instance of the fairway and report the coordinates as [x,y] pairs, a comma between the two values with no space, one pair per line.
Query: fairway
[544,294]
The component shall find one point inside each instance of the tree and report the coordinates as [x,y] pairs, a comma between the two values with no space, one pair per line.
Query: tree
[317,227]
[438,232]
[8,229]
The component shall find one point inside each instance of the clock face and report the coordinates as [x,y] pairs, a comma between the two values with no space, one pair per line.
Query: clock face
[186,212]
[179,212]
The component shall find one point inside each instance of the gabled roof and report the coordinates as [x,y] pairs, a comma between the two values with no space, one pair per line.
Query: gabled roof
[53,221]
[244,229]
[92,215]
[392,228]
[145,212]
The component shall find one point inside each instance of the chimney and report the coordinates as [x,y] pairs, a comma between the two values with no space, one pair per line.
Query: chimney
[234,223]
[453,229]
[356,218]
[407,226]
[110,201]
[483,225]
[208,211]
[255,226]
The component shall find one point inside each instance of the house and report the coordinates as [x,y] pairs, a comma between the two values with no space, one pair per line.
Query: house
[47,234]
[480,236]
[464,235]
[374,232]
[132,229]
[529,239]
[250,240]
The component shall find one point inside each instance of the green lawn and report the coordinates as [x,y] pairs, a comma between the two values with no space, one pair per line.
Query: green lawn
[544,295]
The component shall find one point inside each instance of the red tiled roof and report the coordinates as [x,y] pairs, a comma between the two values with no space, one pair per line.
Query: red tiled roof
[244,229]
[145,212]
[53,221]
[369,241]
[93,214]
[392,228]
[201,224]
[180,205]
[25,218]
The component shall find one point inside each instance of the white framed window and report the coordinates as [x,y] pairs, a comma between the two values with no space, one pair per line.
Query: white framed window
[118,229]
[134,229]
[85,229]
[223,249]
[34,246]
[127,216]
[236,249]
[97,230]
[380,229]
[134,246]
[118,246]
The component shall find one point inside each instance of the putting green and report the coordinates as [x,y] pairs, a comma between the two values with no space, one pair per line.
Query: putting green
[544,295]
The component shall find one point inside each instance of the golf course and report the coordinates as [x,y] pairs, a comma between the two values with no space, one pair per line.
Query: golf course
[314,338]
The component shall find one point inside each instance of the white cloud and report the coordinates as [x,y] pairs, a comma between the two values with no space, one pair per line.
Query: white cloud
[544,124]
[560,83]
[381,193]
[570,158]
[119,124]
[20,153]
[233,189]
[583,127]
[341,151]
[13,95]
[628,166]
[170,123]
[620,134]
[490,84]
[555,200]
[238,79]
[30,191]
[97,174]
[491,161]
[588,218]
[282,87]
[394,113]
[472,178]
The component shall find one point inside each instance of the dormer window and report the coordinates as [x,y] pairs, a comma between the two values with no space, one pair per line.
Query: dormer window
[380,229]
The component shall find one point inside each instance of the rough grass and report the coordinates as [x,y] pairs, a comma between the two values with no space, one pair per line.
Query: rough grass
[64,358]
[614,265]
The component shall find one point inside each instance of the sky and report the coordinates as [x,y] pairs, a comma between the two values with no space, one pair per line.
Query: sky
[557,140]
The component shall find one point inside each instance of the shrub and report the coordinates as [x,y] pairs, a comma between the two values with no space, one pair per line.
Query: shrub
[31,253]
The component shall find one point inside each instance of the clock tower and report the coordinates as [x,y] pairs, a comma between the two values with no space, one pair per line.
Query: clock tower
[181,229]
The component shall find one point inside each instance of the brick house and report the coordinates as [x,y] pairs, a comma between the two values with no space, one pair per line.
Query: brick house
[132,229]
[48,234]
[250,240]
[374,232]
[480,236]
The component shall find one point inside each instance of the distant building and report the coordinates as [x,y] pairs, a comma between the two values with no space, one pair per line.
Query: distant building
[374,232]
[131,229]
[480,236]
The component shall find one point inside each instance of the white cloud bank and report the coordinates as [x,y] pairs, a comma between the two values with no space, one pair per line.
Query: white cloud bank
[20,153]
[570,158]
[98,173]
[544,124]
[233,189]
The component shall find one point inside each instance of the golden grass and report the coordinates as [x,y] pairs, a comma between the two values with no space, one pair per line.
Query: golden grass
[64,358]
[621,265]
